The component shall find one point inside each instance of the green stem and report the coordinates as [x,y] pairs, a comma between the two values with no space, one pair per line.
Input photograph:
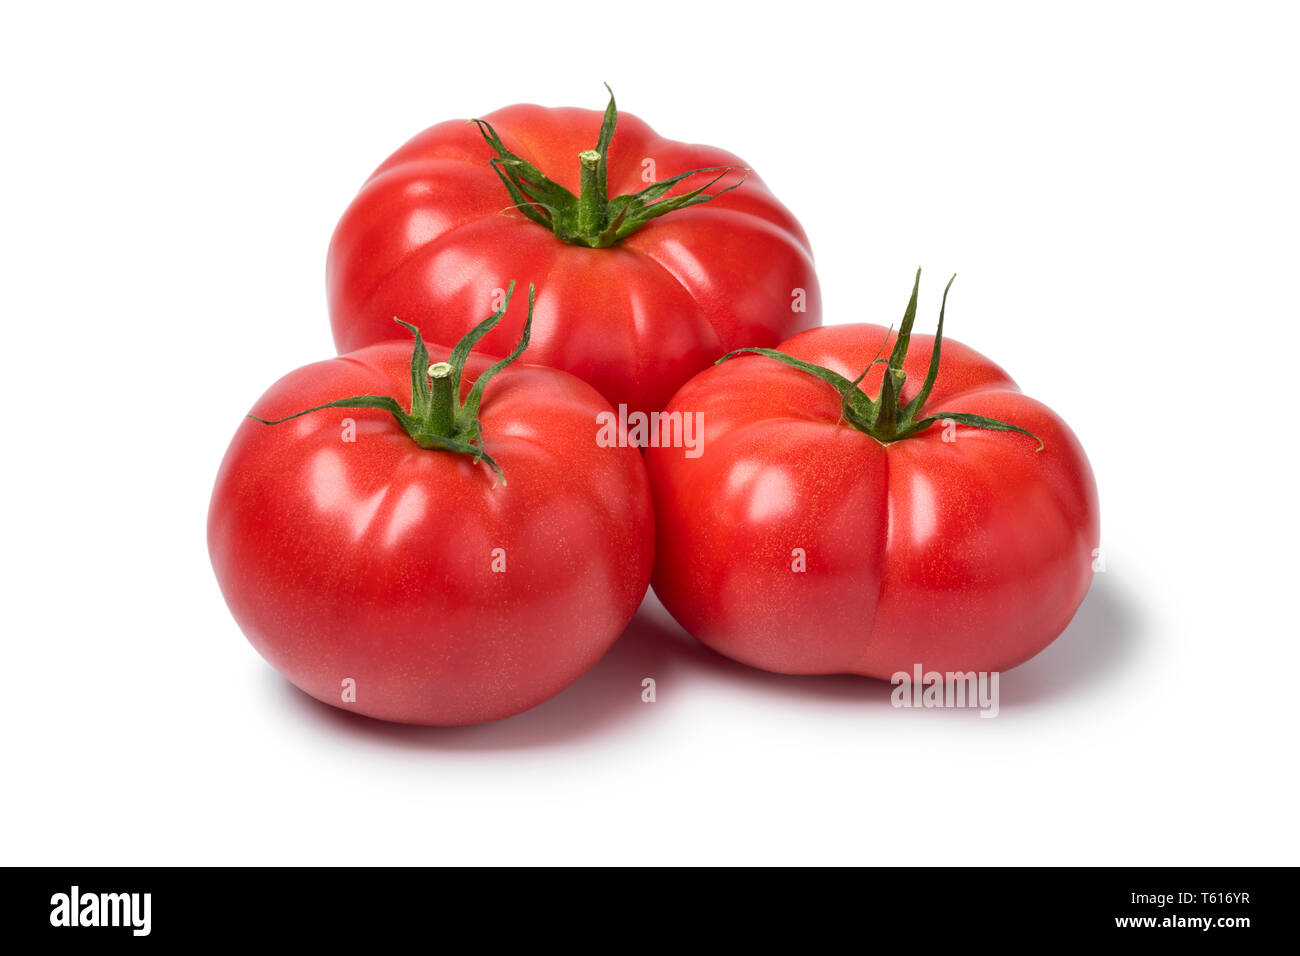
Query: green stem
[437,418]
[443,404]
[885,421]
[591,200]
[885,418]
[592,218]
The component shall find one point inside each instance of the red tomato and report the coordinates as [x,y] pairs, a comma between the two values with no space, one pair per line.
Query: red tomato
[445,596]
[449,216]
[798,542]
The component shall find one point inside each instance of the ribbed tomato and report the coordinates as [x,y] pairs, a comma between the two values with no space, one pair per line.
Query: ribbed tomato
[821,531]
[374,558]
[645,275]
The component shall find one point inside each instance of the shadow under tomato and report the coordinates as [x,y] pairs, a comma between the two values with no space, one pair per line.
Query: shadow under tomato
[607,698]
[1095,647]
[709,667]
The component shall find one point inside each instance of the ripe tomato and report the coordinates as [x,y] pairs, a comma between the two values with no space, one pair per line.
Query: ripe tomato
[633,300]
[372,547]
[819,531]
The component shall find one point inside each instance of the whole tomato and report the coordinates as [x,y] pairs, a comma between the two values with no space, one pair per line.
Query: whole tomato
[948,522]
[654,257]
[376,560]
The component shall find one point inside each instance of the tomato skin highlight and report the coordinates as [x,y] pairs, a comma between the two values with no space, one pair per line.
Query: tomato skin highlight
[430,236]
[372,560]
[971,554]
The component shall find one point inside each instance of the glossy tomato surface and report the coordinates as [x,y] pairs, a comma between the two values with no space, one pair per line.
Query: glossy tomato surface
[429,238]
[970,553]
[446,598]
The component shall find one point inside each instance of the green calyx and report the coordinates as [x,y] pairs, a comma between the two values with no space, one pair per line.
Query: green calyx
[591,218]
[886,418]
[437,418]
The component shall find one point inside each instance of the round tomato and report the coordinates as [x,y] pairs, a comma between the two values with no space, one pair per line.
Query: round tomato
[654,257]
[427,547]
[818,530]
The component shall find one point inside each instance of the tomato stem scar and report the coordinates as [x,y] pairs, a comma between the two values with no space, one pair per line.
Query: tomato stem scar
[437,419]
[591,218]
[887,418]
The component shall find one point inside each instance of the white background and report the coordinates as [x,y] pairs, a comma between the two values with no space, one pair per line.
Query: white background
[1116,185]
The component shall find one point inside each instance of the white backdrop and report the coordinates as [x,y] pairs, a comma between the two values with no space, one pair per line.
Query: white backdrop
[1116,185]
